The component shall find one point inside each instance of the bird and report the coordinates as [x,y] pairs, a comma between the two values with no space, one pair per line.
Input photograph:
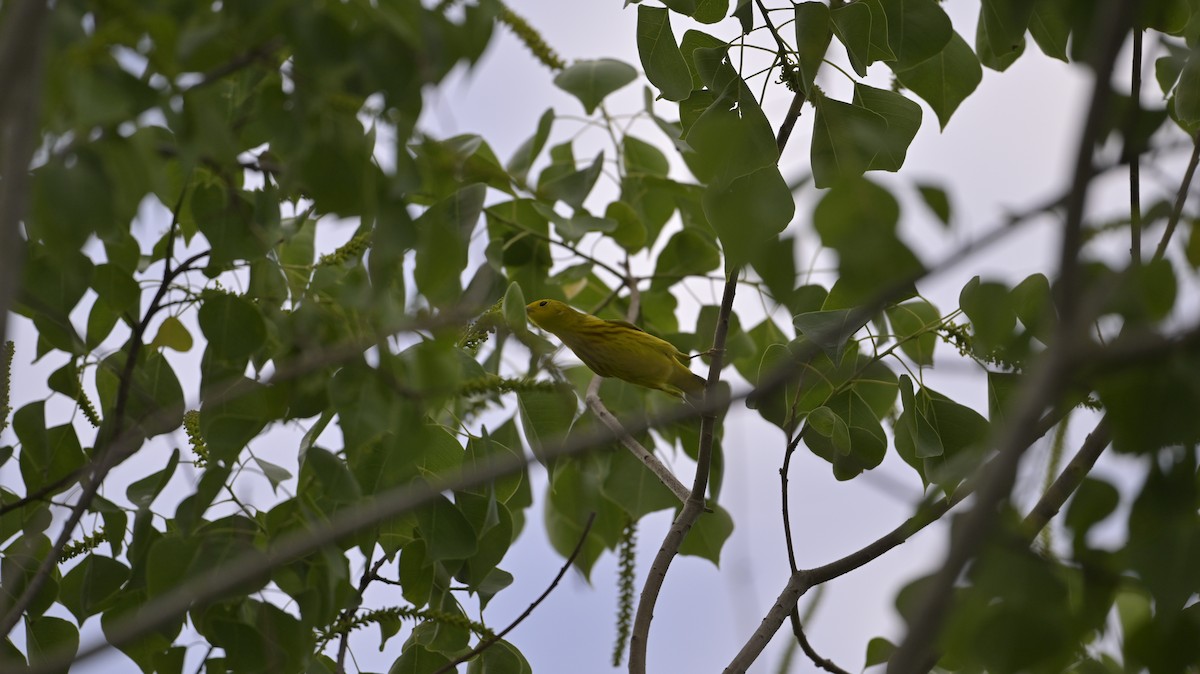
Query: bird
[618,349]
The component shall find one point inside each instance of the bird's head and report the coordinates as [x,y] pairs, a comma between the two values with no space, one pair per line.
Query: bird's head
[548,314]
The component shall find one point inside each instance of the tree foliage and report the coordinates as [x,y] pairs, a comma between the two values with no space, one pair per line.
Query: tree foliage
[233,224]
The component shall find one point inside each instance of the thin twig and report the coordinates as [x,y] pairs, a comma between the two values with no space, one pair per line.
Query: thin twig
[636,448]
[1180,199]
[487,643]
[824,663]
[370,573]
[1135,154]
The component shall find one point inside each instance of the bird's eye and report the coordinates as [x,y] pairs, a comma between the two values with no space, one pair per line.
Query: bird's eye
[543,303]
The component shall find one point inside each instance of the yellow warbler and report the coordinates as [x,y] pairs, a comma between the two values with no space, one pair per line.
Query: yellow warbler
[618,349]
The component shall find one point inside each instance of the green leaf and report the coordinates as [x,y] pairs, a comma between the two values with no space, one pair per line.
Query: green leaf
[327,480]
[446,532]
[47,454]
[1152,404]
[660,55]
[513,308]
[707,537]
[172,335]
[227,219]
[858,219]
[990,308]
[416,659]
[946,79]
[49,638]
[1093,501]
[101,320]
[846,140]
[575,493]
[276,475]
[732,137]
[749,213]
[831,330]
[879,651]
[86,589]
[913,323]
[229,424]
[825,421]
[917,30]
[630,233]
[118,290]
[813,33]
[546,416]
[852,25]
[233,326]
[1000,37]
[1034,305]
[937,201]
[938,437]
[574,187]
[500,658]
[632,486]
[68,204]
[641,157]
[1050,28]
[592,80]
[693,40]
[143,492]
[687,253]
[525,155]
[443,232]
[903,119]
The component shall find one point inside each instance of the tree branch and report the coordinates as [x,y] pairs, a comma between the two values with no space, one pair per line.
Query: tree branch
[694,506]
[1069,479]
[1180,199]
[648,459]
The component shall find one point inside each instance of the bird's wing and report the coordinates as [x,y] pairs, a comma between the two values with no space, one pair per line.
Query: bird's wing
[624,324]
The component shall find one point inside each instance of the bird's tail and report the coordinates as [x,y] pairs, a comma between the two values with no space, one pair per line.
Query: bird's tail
[691,384]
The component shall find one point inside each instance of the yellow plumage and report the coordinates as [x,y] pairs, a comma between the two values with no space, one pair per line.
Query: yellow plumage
[618,349]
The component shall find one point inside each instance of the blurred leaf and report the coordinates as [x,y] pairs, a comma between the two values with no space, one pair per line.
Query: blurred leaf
[937,201]
[592,80]
[528,152]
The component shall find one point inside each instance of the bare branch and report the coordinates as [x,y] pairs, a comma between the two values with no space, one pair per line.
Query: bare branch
[1180,199]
